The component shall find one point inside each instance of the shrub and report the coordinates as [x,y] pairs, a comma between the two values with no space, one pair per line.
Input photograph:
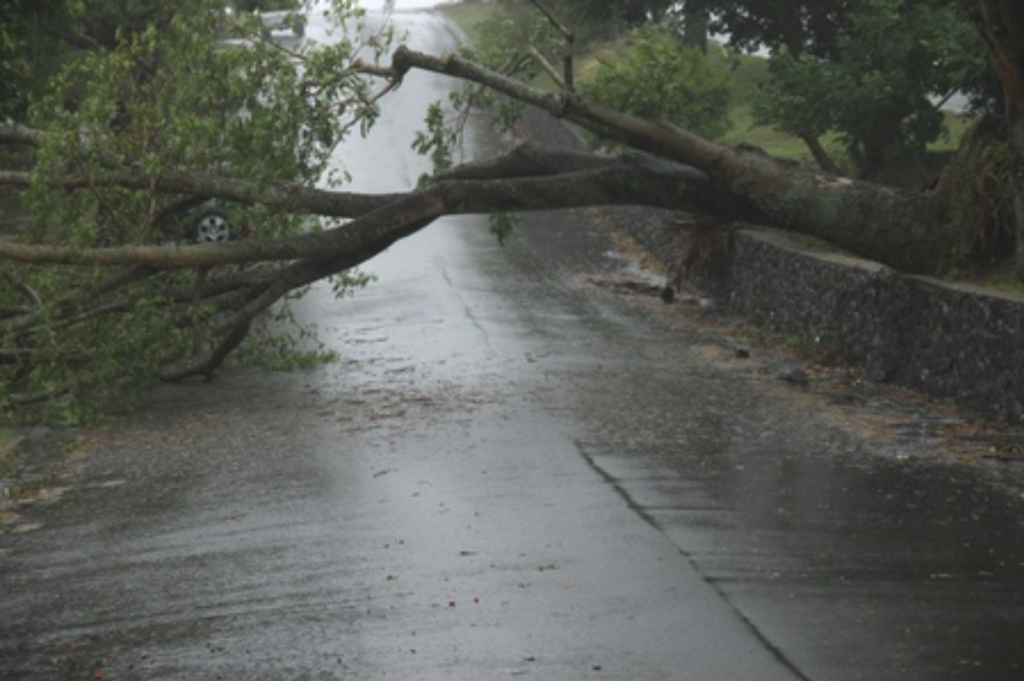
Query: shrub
[658,77]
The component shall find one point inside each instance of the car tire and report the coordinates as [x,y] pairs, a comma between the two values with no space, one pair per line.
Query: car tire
[212,227]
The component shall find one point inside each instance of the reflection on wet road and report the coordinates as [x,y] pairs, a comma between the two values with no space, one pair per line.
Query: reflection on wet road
[510,473]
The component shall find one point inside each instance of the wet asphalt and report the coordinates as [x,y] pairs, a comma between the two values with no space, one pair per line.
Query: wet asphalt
[510,472]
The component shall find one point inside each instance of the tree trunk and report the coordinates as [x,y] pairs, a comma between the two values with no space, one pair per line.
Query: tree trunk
[1001,25]
[1017,183]
[909,231]
[821,157]
[695,27]
[905,230]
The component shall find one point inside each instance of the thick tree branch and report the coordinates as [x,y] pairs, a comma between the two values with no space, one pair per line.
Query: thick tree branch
[761,188]
[292,198]
[998,23]
[656,138]
[209,365]
[15,133]
[591,180]
[566,80]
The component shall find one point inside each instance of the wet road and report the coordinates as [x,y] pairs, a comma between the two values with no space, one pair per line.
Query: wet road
[510,473]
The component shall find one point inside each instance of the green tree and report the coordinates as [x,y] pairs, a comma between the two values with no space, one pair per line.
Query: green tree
[164,97]
[265,5]
[877,83]
[594,19]
[1000,24]
[13,66]
[799,26]
[38,38]
[29,50]
[658,77]
[632,12]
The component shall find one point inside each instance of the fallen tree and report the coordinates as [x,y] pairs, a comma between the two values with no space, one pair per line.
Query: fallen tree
[101,269]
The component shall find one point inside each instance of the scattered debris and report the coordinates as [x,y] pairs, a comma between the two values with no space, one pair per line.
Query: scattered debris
[627,286]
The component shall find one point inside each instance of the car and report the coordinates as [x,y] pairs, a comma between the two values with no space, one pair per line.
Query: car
[284,24]
[202,221]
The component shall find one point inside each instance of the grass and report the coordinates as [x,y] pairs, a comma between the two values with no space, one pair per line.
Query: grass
[747,74]
[1001,277]
[586,64]
[956,126]
[776,143]
[468,15]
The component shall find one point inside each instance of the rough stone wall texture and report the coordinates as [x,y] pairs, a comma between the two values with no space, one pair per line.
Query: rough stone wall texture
[953,341]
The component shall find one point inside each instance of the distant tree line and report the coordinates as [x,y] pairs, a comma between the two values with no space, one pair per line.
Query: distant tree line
[861,82]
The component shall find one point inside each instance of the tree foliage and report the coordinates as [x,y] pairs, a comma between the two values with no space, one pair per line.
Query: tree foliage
[658,77]
[265,5]
[873,72]
[165,96]
[801,27]
[1000,24]
[28,50]
[631,13]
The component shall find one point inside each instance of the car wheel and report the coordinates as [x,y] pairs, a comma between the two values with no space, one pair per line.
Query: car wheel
[213,227]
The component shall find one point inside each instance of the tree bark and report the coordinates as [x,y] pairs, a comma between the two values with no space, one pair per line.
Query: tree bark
[1017,179]
[821,157]
[695,27]
[1001,26]
[528,178]
[905,230]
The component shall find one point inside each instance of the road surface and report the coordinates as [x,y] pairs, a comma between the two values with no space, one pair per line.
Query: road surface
[511,472]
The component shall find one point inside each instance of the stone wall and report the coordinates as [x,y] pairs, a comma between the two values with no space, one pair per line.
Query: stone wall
[949,340]
[952,341]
